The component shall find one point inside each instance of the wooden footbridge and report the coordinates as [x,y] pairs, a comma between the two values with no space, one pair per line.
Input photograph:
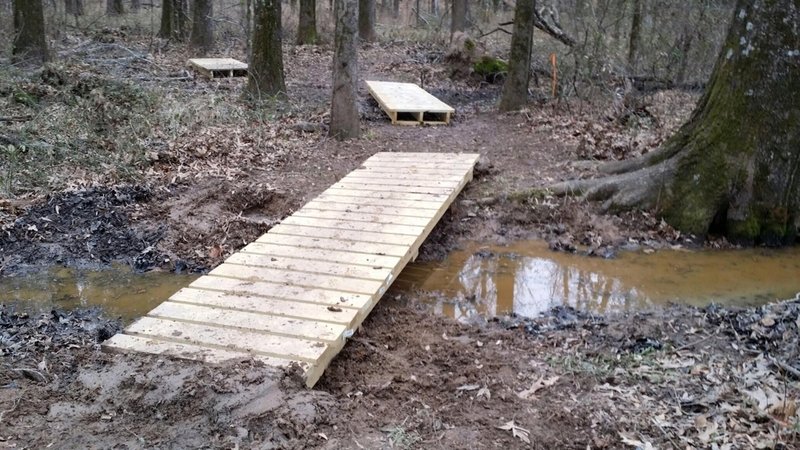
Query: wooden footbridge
[299,291]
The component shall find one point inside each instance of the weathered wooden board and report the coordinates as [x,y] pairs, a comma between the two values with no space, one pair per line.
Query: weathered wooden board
[218,67]
[297,292]
[409,104]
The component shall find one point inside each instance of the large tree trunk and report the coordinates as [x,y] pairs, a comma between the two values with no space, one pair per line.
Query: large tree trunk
[734,168]
[203,26]
[180,19]
[30,45]
[266,62]
[459,21]
[114,7]
[515,88]
[344,109]
[307,25]
[366,20]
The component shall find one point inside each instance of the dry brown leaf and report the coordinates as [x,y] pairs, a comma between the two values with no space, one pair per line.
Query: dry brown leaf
[538,385]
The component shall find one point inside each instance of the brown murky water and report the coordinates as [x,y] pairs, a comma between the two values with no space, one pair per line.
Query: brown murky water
[527,278]
[122,292]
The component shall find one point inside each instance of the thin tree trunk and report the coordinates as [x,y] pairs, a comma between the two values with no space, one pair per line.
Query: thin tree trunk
[165,29]
[74,7]
[634,38]
[366,20]
[266,64]
[459,20]
[30,45]
[515,88]
[344,109]
[396,9]
[180,21]
[114,7]
[136,5]
[203,26]
[248,27]
[307,25]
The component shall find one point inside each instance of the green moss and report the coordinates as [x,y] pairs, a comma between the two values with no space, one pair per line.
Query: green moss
[469,45]
[746,231]
[488,66]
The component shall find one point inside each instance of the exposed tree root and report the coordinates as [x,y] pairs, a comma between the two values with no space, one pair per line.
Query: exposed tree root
[640,188]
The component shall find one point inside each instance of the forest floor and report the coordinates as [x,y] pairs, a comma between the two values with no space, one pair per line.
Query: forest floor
[118,154]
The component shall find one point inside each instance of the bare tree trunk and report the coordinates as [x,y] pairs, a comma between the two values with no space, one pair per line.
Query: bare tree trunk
[180,21]
[515,88]
[366,20]
[344,109]
[30,44]
[203,26]
[734,168]
[459,20]
[266,63]
[248,25]
[396,9]
[634,38]
[74,7]
[136,5]
[166,29]
[114,7]
[307,25]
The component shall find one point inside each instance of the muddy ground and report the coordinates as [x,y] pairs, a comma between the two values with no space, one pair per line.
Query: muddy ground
[201,186]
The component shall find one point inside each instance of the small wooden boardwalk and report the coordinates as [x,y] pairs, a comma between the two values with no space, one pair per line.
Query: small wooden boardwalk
[298,292]
[409,104]
[218,67]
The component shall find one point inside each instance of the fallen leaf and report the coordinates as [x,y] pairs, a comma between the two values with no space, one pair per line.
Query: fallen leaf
[627,440]
[484,392]
[517,431]
[468,387]
[538,385]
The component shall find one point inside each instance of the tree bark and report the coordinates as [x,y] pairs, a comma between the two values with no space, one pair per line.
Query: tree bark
[30,44]
[396,9]
[459,20]
[74,7]
[734,167]
[180,19]
[203,26]
[265,76]
[165,29]
[366,20]
[307,25]
[114,7]
[633,40]
[136,5]
[515,88]
[344,109]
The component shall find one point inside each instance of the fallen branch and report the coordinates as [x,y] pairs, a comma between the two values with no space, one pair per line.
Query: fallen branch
[785,367]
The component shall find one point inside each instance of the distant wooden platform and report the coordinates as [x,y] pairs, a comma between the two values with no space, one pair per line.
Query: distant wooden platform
[409,104]
[218,67]
[298,292]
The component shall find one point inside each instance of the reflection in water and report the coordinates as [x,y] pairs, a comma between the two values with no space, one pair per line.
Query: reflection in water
[527,278]
[122,292]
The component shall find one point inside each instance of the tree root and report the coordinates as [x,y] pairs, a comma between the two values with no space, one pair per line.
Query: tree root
[637,189]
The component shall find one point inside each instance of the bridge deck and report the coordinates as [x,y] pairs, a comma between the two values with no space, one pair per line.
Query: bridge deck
[409,104]
[296,294]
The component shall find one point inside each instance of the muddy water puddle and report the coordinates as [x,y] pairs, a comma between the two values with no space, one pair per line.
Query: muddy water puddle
[528,278]
[119,290]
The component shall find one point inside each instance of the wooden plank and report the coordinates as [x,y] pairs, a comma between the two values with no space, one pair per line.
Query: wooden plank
[230,339]
[388,181]
[345,224]
[369,209]
[447,158]
[281,291]
[344,235]
[373,272]
[362,217]
[304,279]
[379,202]
[182,350]
[269,324]
[322,243]
[275,307]
[406,97]
[341,257]
[294,294]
